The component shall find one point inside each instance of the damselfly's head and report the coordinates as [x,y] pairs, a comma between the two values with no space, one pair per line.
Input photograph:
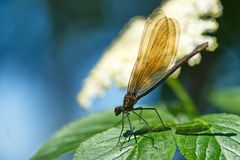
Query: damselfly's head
[118,110]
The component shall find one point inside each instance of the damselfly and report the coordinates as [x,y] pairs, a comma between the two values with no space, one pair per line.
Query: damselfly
[154,63]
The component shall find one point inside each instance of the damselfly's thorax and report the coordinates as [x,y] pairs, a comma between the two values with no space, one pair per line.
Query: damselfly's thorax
[129,101]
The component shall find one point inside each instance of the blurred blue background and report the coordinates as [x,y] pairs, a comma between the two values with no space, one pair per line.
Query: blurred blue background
[48,47]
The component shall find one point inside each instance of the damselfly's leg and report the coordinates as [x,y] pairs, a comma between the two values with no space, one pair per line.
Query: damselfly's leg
[118,123]
[145,122]
[128,133]
[126,136]
[121,129]
[135,138]
[141,108]
[140,114]
[129,122]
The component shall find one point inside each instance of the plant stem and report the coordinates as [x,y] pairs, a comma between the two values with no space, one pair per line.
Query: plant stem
[188,105]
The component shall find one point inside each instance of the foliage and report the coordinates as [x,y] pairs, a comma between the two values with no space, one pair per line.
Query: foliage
[213,136]
[226,99]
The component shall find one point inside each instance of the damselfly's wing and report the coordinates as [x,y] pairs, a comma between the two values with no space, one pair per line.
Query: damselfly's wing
[156,53]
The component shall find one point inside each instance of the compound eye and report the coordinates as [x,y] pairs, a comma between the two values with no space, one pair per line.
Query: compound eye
[117,110]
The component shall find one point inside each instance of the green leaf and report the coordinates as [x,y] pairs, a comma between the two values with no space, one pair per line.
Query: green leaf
[212,137]
[103,145]
[220,141]
[71,136]
[226,99]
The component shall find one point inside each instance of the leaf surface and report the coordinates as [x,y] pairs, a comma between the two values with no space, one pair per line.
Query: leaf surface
[71,136]
[220,141]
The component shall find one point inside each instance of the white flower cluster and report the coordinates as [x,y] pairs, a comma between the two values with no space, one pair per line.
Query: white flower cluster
[117,62]
[190,15]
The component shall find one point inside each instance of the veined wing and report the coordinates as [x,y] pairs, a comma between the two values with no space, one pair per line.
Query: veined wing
[157,52]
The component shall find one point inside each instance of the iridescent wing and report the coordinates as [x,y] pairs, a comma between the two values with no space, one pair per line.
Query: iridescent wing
[156,54]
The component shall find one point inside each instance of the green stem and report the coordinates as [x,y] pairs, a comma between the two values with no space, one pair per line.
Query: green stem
[188,106]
